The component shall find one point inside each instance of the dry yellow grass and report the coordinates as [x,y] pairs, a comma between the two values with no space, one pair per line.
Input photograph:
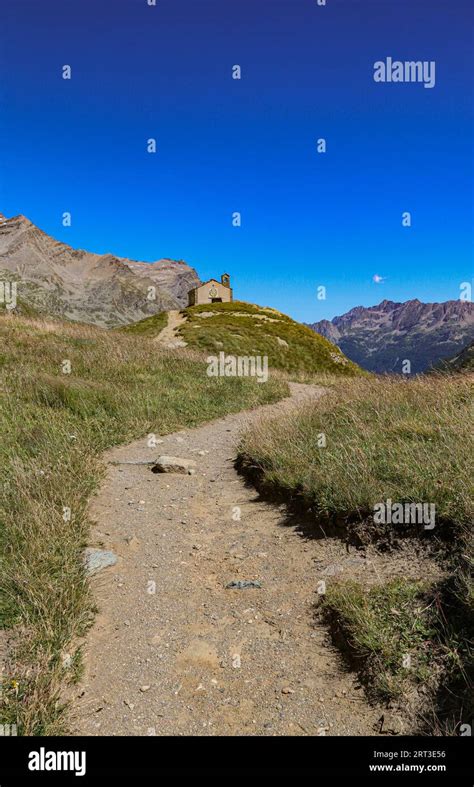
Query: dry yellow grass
[374,438]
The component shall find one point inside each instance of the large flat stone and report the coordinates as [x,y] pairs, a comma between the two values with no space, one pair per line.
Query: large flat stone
[173,464]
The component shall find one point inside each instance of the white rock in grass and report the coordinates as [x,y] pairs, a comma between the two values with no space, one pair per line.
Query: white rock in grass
[97,559]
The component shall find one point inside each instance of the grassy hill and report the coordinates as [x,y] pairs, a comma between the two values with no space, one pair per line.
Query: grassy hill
[245,329]
[54,426]
[150,326]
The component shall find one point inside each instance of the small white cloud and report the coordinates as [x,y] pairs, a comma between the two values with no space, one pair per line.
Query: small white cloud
[378,279]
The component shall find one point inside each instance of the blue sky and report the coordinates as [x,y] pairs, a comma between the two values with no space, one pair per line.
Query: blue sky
[248,145]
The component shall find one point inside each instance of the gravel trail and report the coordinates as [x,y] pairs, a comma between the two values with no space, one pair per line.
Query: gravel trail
[174,650]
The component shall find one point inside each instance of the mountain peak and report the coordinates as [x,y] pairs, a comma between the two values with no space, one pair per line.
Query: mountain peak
[104,290]
[15,221]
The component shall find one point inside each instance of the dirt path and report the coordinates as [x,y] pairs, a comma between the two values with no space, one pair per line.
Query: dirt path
[173,650]
[168,337]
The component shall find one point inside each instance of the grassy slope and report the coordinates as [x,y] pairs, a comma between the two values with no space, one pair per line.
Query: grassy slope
[407,441]
[244,329]
[150,326]
[383,625]
[54,427]
[462,362]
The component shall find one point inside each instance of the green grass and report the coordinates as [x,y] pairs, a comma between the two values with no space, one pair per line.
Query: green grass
[407,441]
[54,427]
[411,643]
[389,628]
[244,329]
[150,326]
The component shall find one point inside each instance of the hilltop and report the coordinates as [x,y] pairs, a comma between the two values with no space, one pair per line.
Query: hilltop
[381,337]
[245,329]
[99,289]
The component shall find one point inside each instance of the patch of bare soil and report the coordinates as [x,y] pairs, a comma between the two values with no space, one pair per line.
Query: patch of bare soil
[169,337]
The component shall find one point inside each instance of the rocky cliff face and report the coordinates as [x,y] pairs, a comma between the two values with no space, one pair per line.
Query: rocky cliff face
[381,337]
[78,285]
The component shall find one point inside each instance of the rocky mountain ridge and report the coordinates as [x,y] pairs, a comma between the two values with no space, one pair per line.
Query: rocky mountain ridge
[101,289]
[380,338]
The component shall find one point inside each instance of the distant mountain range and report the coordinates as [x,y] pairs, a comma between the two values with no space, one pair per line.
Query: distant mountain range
[380,338]
[101,289]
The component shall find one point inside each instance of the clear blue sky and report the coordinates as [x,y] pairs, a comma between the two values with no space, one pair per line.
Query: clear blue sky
[226,145]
